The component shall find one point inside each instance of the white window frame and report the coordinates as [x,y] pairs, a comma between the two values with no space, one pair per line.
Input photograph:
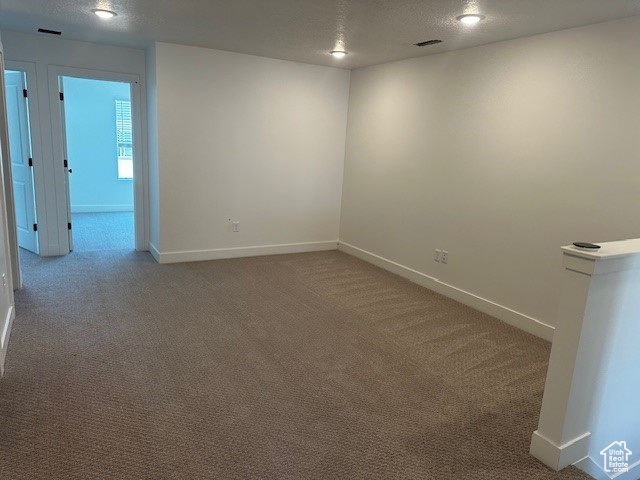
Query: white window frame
[125,162]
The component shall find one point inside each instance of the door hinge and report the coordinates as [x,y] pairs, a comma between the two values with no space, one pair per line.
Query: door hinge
[31,162]
[66,164]
[61,96]
[35,227]
[25,94]
[69,226]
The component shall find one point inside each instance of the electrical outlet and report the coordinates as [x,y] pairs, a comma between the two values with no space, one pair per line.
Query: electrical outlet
[438,255]
[236,227]
[445,257]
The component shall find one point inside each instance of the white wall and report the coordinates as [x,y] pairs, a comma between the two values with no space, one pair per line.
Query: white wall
[498,154]
[247,139]
[7,312]
[45,52]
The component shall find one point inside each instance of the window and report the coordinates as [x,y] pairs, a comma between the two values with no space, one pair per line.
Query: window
[124,135]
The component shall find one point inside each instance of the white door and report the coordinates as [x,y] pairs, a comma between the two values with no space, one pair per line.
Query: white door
[21,160]
[67,169]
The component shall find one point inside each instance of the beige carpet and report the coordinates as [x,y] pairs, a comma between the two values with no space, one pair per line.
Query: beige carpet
[310,366]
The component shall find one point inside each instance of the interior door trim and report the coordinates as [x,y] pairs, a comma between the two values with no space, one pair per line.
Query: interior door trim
[140,181]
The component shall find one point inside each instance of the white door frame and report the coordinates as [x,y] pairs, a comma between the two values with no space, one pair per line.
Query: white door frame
[67,167]
[29,68]
[11,235]
[6,199]
[140,180]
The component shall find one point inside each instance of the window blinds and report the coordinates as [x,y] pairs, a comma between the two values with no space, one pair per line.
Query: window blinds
[123,123]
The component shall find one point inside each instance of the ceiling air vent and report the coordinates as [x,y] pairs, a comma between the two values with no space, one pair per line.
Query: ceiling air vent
[50,32]
[428,42]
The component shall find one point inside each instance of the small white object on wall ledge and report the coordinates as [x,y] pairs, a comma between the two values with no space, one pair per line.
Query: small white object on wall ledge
[622,248]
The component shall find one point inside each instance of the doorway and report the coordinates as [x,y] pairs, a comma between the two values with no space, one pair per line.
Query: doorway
[99,144]
[40,209]
[22,167]
[58,77]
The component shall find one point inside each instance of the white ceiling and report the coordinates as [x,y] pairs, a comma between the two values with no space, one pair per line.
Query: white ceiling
[373,31]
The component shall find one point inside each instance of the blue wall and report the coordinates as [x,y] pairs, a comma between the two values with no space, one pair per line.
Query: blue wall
[91,144]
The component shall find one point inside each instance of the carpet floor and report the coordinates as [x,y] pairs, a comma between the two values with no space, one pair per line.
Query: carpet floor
[307,366]
[103,231]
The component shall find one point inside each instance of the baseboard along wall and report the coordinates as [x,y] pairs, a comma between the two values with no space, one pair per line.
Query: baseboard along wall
[101,208]
[4,337]
[507,315]
[596,470]
[238,252]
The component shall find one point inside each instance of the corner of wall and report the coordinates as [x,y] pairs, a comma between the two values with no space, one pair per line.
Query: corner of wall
[344,158]
[152,149]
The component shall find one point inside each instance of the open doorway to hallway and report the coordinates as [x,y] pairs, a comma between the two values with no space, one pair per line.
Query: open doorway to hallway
[42,163]
[99,145]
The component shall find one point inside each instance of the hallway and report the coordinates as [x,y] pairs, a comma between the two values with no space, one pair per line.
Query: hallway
[103,231]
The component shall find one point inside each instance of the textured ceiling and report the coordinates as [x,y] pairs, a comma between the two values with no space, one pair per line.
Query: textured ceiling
[373,31]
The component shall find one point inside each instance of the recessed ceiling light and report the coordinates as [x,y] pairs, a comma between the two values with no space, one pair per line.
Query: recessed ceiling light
[104,14]
[338,53]
[470,19]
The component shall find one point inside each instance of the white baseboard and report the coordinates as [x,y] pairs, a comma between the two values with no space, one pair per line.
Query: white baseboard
[589,466]
[632,474]
[507,315]
[101,208]
[155,253]
[559,456]
[237,252]
[4,339]
[595,470]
